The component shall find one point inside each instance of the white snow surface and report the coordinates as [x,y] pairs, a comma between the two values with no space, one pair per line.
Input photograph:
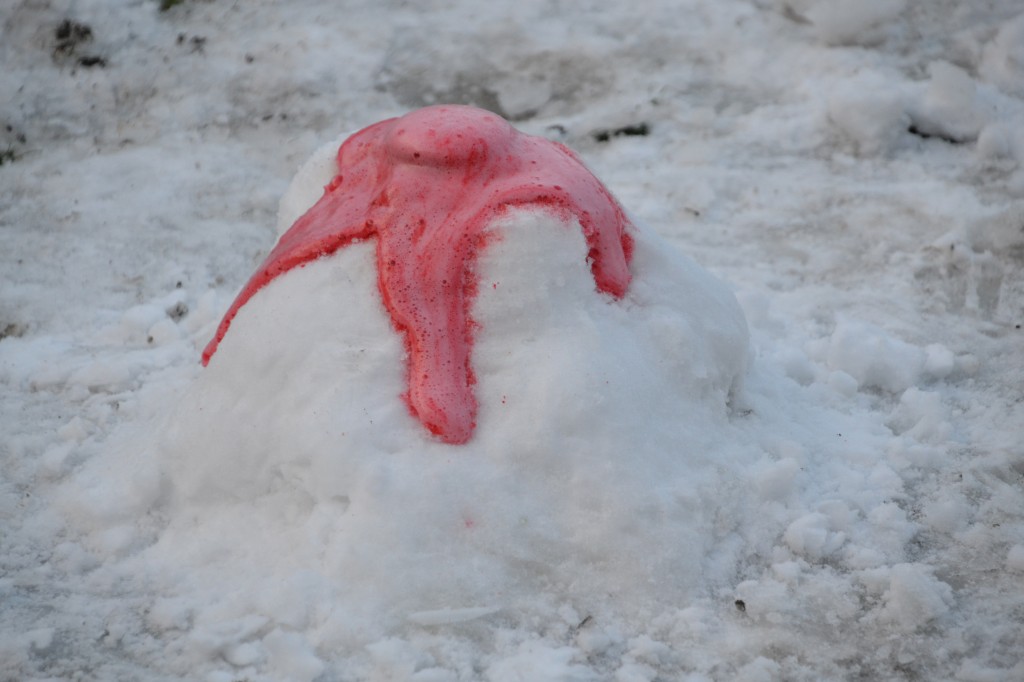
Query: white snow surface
[658,488]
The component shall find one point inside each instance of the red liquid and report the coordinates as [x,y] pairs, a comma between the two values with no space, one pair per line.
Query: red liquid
[426,185]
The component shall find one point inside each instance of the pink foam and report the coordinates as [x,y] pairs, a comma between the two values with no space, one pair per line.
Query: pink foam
[426,185]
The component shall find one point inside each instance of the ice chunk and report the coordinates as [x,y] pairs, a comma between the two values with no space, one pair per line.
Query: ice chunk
[950,108]
[810,536]
[871,111]
[915,597]
[291,657]
[873,357]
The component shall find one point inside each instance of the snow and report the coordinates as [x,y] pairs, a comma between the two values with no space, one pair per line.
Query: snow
[846,23]
[848,173]
[1002,62]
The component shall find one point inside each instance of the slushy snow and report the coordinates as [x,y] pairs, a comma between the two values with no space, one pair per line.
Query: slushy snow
[800,459]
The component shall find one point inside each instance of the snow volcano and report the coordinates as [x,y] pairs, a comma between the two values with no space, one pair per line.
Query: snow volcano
[462,379]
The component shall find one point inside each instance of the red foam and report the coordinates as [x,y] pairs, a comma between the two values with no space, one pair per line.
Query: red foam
[426,185]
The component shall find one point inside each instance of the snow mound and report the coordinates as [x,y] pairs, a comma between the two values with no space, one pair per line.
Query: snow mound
[594,472]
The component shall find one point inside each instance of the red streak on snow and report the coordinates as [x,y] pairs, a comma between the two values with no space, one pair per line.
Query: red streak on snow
[427,185]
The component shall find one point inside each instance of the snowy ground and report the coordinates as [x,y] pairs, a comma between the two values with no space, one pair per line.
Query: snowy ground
[852,170]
